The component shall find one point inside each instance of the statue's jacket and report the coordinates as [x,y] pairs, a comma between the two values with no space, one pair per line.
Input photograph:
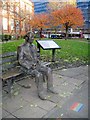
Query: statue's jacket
[27,56]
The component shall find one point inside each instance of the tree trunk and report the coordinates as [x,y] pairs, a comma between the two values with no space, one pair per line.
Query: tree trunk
[66,26]
[40,33]
[55,30]
[66,35]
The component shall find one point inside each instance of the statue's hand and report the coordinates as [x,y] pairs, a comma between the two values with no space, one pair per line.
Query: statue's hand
[33,66]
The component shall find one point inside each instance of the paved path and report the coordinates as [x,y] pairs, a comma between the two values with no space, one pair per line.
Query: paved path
[72,85]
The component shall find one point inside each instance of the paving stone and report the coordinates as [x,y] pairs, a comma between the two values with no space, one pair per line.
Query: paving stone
[10,116]
[0,93]
[81,96]
[0,113]
[0,85]
[85,70]
[30,97]
[55,98]
[70,72]
[4,93]
[47,105]
[28,91]
[82,77]
[4,113]
[25,93]
[24,99]
[57,113]
[66,87]
[13,103]
[30,112]
[27,81]
[0,100]
[72,81]
[75,82]
[57,79]
[62,102]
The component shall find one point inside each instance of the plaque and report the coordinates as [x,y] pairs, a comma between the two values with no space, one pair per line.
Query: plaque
[48,44]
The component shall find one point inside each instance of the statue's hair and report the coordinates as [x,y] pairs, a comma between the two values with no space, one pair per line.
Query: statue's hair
[29,32]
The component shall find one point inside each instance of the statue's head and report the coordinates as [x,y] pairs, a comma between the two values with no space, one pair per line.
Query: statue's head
[29,37]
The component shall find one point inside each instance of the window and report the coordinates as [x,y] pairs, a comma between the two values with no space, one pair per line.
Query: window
[5,24]
[12,24]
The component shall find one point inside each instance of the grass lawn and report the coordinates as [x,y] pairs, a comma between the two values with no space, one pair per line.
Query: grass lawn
[71,50]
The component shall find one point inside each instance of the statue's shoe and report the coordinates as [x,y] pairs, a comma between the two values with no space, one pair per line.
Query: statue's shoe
[42,96]
[52,90]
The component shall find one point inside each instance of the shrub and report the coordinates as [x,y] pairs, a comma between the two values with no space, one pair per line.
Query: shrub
[5,37]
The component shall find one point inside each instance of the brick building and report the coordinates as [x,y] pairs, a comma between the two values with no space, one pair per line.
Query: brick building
[15,16]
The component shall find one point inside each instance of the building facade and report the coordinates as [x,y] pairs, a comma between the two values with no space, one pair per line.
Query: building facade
[84,5]
[15,16]
[41,6]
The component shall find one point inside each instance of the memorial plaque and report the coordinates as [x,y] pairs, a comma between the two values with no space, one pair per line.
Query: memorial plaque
[48,44]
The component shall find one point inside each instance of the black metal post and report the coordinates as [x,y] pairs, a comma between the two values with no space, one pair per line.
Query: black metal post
[38,47]
[53,55]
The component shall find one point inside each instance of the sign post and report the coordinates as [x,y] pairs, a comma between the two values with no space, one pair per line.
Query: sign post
[48,45]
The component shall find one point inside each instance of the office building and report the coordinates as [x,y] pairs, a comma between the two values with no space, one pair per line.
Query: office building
[41,6]
[84,5]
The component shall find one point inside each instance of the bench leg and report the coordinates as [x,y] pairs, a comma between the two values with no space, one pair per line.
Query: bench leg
[9,83]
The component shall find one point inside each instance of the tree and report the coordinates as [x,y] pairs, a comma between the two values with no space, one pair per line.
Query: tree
[69,17]
[53,22]
[39,22]
[20,14]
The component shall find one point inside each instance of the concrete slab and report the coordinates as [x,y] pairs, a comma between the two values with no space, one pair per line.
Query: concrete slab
[70,72]
[4,93]
[85,70]
[4,113]
[0,84]
[55,98]
[66,87]
[0,113]
[10,116]
[30,112]
[57,79]
[55,113]
[14,103]
[81,96]
[72,81]
[28,94]
[25,103]
[46,105]
[81,77]
[27,81]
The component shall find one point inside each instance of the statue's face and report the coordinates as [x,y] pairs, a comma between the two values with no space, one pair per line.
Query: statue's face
[30,37]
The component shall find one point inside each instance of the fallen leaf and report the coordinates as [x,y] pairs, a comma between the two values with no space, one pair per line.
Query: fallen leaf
[16,93]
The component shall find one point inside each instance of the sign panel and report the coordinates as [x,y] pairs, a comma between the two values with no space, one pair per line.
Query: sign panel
[48,44]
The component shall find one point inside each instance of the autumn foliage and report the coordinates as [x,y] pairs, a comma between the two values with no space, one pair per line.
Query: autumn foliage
[39,22]
[69,16]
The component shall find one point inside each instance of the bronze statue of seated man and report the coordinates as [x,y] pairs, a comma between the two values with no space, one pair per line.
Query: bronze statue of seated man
[28,59]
